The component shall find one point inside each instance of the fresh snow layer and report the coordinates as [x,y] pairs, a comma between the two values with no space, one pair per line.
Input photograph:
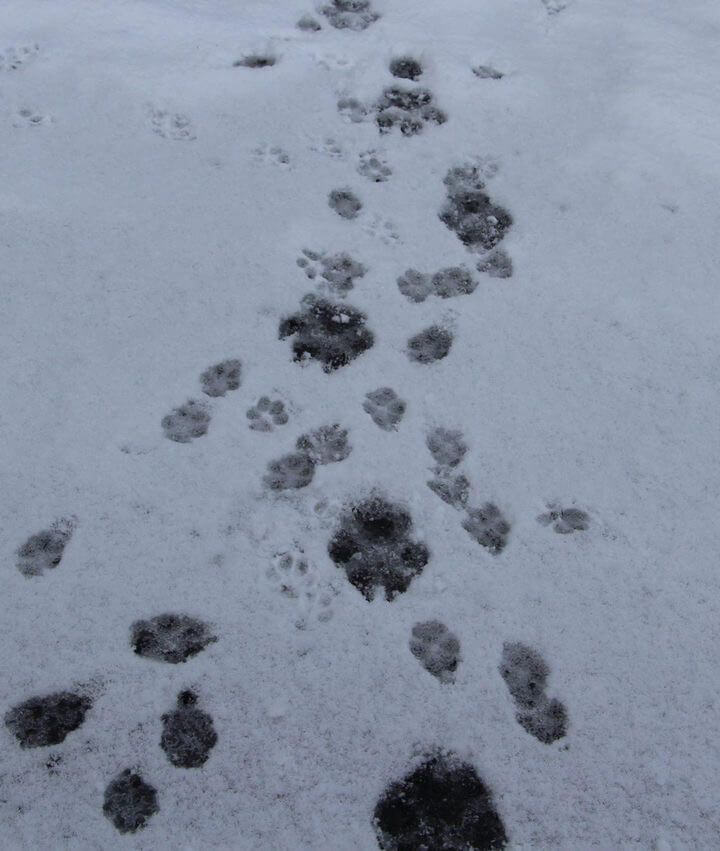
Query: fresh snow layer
[155,197]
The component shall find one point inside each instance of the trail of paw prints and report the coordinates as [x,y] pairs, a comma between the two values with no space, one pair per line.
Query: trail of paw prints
[14,58]
[27,117]
[565,521]
[326,445]
[267,414]
[171,125]
[441,803]
[338,272]
[525,673]
[271,155]
[292,576]
[191,420]
[44,550]
[373,166]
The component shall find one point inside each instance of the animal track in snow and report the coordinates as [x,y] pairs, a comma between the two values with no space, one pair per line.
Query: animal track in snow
[430,345]
[554,7]
[171,125]
[350,14]
[130,801]
[271,155]
[382,229]
[188,733]
[333,334]
[326,445]
[345,203]
[44,550]
[330,147]
[186,422]
[496,264]
[255,60]
[43,721]
[487,72]
[408,109]
[454,489]
[290,472]
[372,544]
[13,58]
[309,24]
[338,271]
[352,110]
[385,407]
[170,637]
[446,446]
[266,414]
[436,648]
[488,527]
[469,213]
[525,674]
[565,521]
[221,378]
[373,166]
[441,804]
[446,283]
[406,68]
[27,117]
[291,575]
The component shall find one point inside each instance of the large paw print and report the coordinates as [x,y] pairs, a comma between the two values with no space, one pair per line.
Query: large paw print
[266,414]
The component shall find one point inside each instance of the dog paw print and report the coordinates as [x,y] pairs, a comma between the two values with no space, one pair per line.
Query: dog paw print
[266,414]
[565,521]
[338,272]
[292,576]
[374,167]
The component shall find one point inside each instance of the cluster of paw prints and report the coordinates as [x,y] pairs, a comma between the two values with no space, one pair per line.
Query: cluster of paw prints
[188,732]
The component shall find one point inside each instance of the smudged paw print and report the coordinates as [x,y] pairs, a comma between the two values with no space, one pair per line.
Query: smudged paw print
[266,414]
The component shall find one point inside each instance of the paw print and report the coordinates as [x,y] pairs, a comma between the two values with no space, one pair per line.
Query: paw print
[373,166]
[267,414]
[565,521]
[338,271]
[291,575]
[271,155]
[15,57]
[330,148]
[172,125]
[30,118]
[382,229]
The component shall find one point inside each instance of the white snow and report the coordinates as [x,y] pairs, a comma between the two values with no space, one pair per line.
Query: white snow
[154,200]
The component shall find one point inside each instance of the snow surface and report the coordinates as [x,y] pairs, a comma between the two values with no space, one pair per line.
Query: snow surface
[137,249]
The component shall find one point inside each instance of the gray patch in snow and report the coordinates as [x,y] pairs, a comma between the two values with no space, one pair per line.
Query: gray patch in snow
[170,637]
[308,24]
[188,733]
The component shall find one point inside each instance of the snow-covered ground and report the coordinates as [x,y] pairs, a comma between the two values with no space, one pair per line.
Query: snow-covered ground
[155,198]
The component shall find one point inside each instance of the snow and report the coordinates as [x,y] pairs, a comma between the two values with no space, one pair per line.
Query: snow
[154,200]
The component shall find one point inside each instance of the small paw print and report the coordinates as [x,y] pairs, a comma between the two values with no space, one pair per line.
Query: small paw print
[266,414]
[565,521]
[31,118]
[172,125]
[382,229]
[292,576]
[272,155]
[329,147]
[373,166]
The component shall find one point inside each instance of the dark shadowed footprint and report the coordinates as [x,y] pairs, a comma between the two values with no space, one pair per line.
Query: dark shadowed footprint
[221,378]
[430,345]
[43,721]
[436,648]
[565,521]
[478,222]
[186,422]
[350,14]
[345,203]
[267,414]
[488,527]
[188,733]
[525,673]
[406,68]
[130,802]
[44,550]
[334,334]
[443,805]
[170,637]
[385,407]
[372,544]
[407,109]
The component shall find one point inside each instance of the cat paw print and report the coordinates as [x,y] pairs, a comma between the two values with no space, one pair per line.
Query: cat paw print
[31,118]
[172,125]
[382,229]
[13,58]
[266,414]
[271,155]
[292,576]
[565,521]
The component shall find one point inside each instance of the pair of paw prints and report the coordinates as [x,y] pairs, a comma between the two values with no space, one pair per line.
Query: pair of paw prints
[44,550]
[191,420]
[291,575]
[271,155]
[326,445]
[174,126]
[266,414]
[338,272]
[450,282]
